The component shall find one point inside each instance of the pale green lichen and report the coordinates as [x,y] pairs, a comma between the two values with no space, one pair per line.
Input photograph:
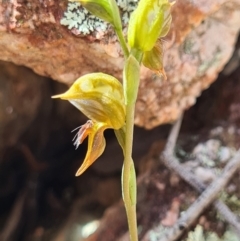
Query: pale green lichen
[79,20]
[199,235]
[232,201]
[77,17]
[212,152]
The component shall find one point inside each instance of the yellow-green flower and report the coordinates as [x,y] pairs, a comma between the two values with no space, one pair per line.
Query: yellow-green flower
[100,97]
[150,21]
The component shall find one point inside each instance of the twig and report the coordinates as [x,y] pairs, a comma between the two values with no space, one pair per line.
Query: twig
[172,138]
[187,176]
[204,200]
[14,219]
[228,215]
[172,163]
[207,197]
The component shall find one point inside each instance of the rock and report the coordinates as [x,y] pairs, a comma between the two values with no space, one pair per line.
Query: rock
[195,51]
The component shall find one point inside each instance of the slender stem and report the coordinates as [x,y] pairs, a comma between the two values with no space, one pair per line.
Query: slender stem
[122,42]
[128,174]
[128,177]
[137,54]
[130,110]
[128,162]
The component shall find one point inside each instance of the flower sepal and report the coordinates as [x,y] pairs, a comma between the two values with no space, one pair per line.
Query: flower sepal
[153,59]
[100,97]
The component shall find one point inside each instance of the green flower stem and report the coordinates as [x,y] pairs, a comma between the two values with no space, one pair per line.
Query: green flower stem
[129,187]
[138,54]
[122,42]
[130,204]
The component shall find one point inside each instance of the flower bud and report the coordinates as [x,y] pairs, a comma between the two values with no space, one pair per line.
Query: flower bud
[106,10]
[153,59]
[100,97]
[148,22]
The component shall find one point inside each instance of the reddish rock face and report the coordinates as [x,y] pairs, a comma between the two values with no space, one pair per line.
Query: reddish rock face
[199,44]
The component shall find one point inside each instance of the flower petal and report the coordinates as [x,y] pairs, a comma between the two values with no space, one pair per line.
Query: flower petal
[96,144]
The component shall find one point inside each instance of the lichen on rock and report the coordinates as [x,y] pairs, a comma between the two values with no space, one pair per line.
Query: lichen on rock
[81,22]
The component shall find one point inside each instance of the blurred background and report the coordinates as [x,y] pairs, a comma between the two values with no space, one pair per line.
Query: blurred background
[40,197]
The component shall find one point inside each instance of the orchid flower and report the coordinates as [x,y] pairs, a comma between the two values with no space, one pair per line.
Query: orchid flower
[148,24]
[100,97]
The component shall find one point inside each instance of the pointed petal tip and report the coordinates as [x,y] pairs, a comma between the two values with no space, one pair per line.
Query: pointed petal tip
[64,96]
[57,96]
[77,174]
[80,171]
